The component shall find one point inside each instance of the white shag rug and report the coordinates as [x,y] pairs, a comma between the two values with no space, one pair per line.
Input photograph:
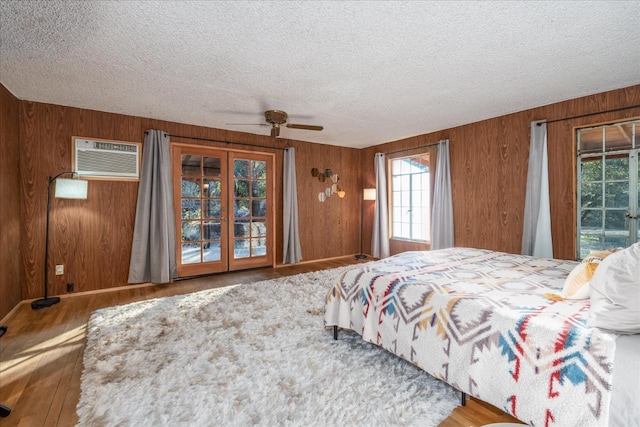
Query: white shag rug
[251,354]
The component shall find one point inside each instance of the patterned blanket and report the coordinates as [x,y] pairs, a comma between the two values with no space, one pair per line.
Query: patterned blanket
[478,320]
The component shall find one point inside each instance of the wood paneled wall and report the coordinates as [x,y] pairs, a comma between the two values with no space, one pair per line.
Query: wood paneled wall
[489,170]
[92,237]
[11,271]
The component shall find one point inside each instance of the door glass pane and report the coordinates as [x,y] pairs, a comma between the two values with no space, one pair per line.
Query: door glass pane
[241,208]
[212,188]
[258,169]
[241,228]
[259,189]
[258,247]
[241,248]
[211,167]
[190,187]
[258,228]
[211,230]
[211,209]
[191,253]
[190,208]
[241,188]
[259,208]
[241,168]
[190,230]
[211,251]
[191,164]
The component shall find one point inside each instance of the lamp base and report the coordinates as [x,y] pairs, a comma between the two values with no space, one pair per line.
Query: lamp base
[4,411]
[361,256]
[44,302]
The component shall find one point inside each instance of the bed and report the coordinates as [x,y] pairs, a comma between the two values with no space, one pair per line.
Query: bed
[482,321]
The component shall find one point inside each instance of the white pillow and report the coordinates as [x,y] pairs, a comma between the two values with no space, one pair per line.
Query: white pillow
[576,285]
[615,292]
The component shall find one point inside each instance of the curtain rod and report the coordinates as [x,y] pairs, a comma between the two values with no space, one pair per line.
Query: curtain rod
[589,114]
[415,148]
[225,142]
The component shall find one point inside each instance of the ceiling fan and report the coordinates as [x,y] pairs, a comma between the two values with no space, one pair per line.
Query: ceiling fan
[277,118]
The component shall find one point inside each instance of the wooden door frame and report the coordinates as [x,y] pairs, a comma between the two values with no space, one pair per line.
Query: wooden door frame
[227,250]
[269,259]
[187,270]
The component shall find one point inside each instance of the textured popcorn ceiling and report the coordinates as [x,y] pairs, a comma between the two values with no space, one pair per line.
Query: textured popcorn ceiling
[370,72]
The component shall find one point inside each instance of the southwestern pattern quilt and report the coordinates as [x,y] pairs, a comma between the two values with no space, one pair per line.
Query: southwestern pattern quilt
[478,320]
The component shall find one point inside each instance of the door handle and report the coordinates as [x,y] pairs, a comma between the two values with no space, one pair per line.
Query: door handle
[628,215]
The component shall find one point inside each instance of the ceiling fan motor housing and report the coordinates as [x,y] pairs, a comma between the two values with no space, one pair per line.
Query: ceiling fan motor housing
[275,117]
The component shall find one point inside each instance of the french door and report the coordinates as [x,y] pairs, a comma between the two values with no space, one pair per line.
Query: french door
[608,187]
[224,209]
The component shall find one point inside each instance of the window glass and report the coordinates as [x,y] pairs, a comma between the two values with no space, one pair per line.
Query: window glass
[608,187]
[410,198]
[618,137]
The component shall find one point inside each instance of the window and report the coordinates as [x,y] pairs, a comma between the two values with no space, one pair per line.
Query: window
[608,186]
[410,198]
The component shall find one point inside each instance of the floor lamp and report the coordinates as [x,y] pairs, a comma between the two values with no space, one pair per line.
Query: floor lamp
[66,188]
[367,194]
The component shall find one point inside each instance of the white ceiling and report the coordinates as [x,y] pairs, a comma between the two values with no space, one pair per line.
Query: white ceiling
[369,72]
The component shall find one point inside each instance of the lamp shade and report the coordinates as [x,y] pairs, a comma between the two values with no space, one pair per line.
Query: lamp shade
[369,194]
[71,188]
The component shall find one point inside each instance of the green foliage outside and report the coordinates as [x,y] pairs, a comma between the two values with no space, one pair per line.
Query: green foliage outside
[249,183]
[604,194]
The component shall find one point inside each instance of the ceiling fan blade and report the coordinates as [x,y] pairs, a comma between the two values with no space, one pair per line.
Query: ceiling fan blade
[246,124]
[307,127]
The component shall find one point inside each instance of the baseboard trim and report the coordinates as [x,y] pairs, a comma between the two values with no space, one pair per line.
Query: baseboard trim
[320,260]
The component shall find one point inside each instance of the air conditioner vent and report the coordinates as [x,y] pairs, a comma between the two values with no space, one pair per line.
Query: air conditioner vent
[106,159]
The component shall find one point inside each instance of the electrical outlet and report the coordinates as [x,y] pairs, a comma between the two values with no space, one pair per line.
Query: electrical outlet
[59,269]
[69,287]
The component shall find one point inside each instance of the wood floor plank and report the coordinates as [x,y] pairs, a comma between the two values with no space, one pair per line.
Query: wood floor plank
[41,355]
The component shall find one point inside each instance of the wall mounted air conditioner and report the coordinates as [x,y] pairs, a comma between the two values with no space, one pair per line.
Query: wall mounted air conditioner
[106,159]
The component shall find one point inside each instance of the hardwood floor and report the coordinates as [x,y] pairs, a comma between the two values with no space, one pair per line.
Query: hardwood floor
[41,353]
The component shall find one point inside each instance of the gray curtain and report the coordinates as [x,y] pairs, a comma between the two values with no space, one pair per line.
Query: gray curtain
[442,215]
[291,235]
[153,253]
[536,233]
[380,234]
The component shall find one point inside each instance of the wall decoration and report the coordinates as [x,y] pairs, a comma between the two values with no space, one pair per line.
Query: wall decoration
[335,183]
